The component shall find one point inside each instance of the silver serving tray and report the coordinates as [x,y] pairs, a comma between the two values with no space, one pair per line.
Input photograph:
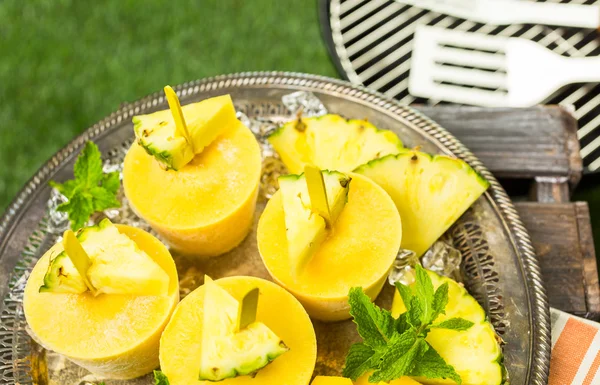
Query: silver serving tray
[499,265]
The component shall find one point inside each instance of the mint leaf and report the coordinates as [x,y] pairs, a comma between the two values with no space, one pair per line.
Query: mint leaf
[111,182]
[459,324]
[79,207]
[400,357]
[375,325]
[415,313]
[440,300]
[424,291]
[431,365]
[393,348]
[91,190]
[88,167]
[360,359]
[67,189]
[160,378]
[401,324]
[103,199]
[405,293]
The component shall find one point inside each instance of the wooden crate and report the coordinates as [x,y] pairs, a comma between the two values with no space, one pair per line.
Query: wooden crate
[534,152]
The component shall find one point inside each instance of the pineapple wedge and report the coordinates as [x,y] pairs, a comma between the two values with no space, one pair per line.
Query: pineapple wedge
[332,142]
[118,266]
[225,352]
[475,354]
[430,192]
[205,120]
[305,229]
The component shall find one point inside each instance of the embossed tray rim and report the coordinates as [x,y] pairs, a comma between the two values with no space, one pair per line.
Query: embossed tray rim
[538,303]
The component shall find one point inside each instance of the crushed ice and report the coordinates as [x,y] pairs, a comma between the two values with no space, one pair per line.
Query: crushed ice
[441,258]
[305,102]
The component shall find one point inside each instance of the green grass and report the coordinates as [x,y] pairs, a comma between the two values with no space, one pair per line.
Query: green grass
[66,64]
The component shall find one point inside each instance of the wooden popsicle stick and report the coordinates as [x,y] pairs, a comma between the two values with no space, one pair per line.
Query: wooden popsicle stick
[78,256]
[175,107]
[317,192]
[247,310]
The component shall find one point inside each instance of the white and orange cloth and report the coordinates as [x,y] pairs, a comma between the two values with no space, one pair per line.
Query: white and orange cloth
[575,350]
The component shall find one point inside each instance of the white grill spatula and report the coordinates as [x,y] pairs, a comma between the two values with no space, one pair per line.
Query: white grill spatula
[504,12]
[471,68]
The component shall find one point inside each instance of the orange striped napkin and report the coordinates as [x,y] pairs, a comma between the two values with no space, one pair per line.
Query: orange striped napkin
[575,350]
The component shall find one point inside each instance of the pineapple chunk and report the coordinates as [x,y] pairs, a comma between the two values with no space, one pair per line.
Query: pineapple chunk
[156,134]
[205,120]
[430,192]
[305,229]
[331,142]
[225,352]
[475,354]
[63,277]
[118,266]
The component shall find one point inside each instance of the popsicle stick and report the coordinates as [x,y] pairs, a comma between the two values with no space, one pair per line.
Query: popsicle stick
[317,192]
[175,107]
[247,309]
[78,256]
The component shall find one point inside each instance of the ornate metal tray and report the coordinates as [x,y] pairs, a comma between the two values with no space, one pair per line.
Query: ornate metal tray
[499,266]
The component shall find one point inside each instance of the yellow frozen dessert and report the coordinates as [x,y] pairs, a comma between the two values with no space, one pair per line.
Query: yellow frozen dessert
[239,330]
[317,250]
[109,320]
[198,193]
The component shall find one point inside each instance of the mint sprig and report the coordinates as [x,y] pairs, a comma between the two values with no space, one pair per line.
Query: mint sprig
[91,191]
[393,348]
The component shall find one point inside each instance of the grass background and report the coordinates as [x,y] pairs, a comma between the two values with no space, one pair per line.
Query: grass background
[66,64]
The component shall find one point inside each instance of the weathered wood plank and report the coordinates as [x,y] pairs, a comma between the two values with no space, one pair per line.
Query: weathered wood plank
[549,190]
[590,268]
[521,143]
[562,238]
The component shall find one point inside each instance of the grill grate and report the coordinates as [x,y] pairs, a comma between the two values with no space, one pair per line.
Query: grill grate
[372,41]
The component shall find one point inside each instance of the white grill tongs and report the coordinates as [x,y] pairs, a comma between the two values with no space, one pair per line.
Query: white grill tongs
[504,12]
[473,68]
